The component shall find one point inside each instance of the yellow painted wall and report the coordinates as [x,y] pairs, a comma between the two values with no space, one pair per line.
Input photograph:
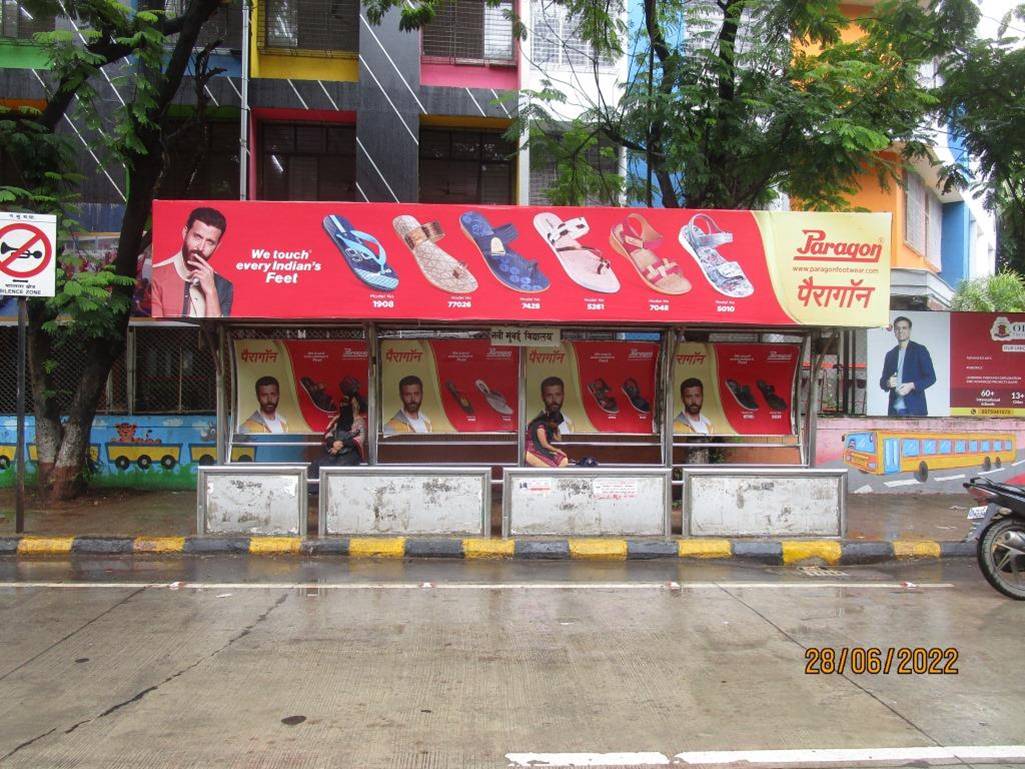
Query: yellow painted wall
[872,197]
[339,67]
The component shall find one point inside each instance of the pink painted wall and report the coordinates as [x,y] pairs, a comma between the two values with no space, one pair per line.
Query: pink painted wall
[469,76]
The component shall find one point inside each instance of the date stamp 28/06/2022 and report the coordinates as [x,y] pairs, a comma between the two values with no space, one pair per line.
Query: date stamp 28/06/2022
[874,660]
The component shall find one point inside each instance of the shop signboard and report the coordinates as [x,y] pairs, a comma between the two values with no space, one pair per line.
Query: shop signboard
[448,386]
[295,386]
[727,388]
[519,264]
[938,364]
[600,386]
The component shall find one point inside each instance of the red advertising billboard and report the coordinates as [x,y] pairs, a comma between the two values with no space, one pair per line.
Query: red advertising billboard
[987,364]
[345,261]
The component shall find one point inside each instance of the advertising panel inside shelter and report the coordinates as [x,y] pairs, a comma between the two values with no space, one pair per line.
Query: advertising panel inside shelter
[726,388]
[312,260]
[598,386]
[448,386]
[296,386]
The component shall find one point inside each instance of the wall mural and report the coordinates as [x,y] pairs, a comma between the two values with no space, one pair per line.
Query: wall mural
[921,455]
[153,452]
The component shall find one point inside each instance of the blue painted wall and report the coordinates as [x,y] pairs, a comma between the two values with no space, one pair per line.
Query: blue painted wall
[636,164]
[955,246]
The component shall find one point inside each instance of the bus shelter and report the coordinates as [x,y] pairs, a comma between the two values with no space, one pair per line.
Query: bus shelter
[675,341]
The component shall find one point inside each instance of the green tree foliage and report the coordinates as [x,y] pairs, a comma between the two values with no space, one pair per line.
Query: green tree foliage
[145,55]
[983,102]
[761,97]
[1003,292]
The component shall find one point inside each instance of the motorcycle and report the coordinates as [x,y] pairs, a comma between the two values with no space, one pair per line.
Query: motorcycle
[999,530]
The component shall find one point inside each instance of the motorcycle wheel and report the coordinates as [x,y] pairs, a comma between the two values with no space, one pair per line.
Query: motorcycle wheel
[1002,565]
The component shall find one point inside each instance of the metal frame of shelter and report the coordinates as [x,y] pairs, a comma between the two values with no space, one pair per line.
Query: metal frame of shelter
[668,445]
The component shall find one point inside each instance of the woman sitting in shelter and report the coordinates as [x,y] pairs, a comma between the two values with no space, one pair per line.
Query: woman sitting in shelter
[541,431]
[344,436]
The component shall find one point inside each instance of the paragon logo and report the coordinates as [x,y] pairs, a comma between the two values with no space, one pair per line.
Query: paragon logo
[817,249]
[537,356]
[1004,330]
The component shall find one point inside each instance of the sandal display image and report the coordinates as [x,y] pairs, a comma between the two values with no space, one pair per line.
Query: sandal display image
[319,395]
[441,269]
[637,240]
[585,265]
[701,238]
[494,398]
[633,394]
[511,269]
[462,400]
[769,393]
[603,396]
[363,253]
[743,395]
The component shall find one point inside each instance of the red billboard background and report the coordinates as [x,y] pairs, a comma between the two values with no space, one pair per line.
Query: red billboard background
[314,260]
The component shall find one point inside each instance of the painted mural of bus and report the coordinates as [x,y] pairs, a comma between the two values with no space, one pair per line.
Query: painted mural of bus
[7,454]
[206,453]
[143,454]
[882,452]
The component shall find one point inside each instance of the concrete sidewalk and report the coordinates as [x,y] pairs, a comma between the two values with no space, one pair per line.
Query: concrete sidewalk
[879,528]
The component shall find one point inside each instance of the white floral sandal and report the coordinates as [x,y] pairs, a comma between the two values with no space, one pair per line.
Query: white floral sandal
[701,238]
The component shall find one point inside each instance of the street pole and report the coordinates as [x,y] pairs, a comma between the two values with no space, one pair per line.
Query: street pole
[19,488]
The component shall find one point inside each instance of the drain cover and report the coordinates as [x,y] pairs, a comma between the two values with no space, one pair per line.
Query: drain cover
[818,571]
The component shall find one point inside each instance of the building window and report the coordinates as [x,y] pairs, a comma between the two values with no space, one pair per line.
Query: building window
[308,161]
[459,166]
[203,161]
[470,31]
[557,42]
[321,27]
[224,27]
[18,22]
[544,173]
[923,219]
[174,372]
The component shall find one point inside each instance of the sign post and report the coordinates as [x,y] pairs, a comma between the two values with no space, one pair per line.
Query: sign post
[27,269]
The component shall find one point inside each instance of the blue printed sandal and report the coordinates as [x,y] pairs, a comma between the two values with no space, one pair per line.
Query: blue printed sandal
[370,266]
[511,269]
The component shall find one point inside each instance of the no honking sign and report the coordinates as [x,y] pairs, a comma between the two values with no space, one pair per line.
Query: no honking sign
[27,254]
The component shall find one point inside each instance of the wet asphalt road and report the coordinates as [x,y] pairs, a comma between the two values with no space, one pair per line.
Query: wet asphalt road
[300,662]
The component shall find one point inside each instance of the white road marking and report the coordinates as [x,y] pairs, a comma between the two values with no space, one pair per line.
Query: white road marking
[937,755]
[953,754]
[949,477]
[587,759]
[1019,462]
[475,585]
[990,472]
[906,482]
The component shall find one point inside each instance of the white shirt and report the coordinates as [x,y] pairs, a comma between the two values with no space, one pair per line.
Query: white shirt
[418,423]
[274,425]
[701,425]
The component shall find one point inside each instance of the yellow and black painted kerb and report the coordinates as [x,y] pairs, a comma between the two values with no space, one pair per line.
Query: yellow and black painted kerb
[763,551]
